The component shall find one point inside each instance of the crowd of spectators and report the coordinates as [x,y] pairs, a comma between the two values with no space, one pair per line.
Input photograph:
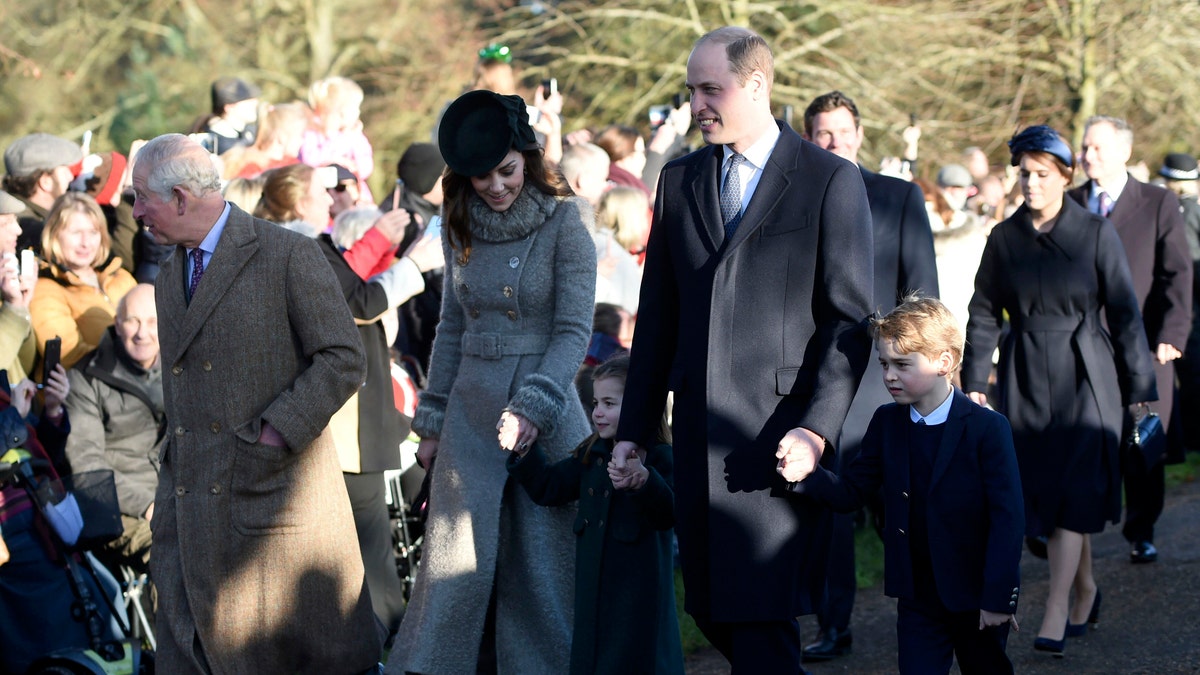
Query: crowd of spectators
[77,266]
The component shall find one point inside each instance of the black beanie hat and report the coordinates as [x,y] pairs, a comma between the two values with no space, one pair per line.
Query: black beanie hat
[420,167]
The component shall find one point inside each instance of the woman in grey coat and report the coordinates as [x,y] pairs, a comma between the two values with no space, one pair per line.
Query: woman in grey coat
[495,586]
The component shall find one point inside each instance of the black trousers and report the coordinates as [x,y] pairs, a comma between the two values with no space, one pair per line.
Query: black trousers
[753,648]
[1144,496]
[841,582]
[366,491]
[931,637]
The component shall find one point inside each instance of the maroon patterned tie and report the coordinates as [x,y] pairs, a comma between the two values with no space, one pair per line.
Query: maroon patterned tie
[197,271]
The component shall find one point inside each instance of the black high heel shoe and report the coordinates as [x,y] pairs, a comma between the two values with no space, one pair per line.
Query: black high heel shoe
[1081,629]
[1052,647]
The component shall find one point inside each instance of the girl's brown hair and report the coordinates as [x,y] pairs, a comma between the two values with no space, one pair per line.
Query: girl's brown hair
[458,190]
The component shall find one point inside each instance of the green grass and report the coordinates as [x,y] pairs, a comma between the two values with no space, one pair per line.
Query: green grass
[1178,474]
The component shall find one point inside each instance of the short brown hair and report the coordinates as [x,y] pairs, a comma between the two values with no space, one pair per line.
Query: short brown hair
[921,325]
[66,205]
[618,141]
[828,103]
[746,50]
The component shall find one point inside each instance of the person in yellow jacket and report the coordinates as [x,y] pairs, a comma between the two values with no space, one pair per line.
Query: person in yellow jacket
[80,282]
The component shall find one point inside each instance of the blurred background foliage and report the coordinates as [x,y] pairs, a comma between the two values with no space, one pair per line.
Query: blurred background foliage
[970,71]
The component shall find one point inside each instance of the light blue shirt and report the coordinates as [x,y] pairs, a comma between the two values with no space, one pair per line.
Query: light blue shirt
[1114,192]
[939,415]
[751,170]
[209,244]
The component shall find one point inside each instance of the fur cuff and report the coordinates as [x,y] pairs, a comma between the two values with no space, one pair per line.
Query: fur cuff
[430,416]
[540,401]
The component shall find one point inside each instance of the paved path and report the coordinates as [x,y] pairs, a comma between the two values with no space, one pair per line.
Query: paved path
[1149,621]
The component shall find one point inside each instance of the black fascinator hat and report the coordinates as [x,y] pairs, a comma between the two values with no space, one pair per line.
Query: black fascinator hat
[1040,138]
[480,127]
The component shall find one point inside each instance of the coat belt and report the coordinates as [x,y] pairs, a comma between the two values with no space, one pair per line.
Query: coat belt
[1049,322]
[494,346]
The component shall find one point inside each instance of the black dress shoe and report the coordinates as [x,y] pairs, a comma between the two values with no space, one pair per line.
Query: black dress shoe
[1143,552]
[832,644]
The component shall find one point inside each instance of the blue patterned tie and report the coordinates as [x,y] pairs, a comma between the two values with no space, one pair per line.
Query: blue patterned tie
[197,271]
[731,196]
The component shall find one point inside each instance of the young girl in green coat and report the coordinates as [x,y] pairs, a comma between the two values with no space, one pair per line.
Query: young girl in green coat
[624,574]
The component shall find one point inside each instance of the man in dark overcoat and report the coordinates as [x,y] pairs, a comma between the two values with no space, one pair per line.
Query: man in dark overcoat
[255,554]
[752,314]
[1150,223]
[904,263]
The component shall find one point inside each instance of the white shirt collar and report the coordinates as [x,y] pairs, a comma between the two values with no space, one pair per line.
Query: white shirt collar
[1114,191]
[757,154]
[939,415]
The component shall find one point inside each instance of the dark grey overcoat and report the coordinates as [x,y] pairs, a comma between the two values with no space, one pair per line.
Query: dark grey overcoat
[756,335]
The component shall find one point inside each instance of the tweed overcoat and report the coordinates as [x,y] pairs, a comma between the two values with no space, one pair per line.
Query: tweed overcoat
[516,319]
[255,554]
[756,335]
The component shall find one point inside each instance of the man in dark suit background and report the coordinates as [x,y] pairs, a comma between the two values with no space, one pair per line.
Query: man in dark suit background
[904,263]
[754,319]
[1150,223]
[256,558]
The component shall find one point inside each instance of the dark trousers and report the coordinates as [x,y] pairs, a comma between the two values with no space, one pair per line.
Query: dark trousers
[931,637]
[756,647]
[1144,494]
[366,492]
[840,580]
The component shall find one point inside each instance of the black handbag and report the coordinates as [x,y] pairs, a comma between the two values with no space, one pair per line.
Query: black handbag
[1147,442]
[96,492]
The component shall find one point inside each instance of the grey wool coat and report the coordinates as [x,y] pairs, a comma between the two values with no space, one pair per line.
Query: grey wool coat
[255,553]
[516,319]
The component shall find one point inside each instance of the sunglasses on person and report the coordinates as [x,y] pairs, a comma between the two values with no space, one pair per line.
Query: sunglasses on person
[495,52]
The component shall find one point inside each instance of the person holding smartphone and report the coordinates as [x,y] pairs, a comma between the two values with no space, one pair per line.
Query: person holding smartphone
[18,346]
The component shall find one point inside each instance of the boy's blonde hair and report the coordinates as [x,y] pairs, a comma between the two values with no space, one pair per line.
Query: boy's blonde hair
[924,326]
[334,91]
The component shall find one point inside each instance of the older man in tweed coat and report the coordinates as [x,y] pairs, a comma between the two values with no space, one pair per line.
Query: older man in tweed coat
[255,555]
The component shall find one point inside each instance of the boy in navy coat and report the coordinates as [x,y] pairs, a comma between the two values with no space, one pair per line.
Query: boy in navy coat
[952,499]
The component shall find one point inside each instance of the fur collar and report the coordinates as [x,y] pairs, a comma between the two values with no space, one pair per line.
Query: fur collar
[529,210]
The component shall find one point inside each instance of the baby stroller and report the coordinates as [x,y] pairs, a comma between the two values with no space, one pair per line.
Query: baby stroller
[408,499]
[90,639]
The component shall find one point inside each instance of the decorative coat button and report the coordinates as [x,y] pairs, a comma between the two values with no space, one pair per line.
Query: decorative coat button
[591,492]
[585,522]
[508,291]
[207,366]
[464,288]
[178,431]
[513,262]
[901,531]
[904,494]
[474,312]
[215,489]
[606,493]
[179,492]
[1012,604]
[601,524]
[176,370]
[215,427]
[512,316]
